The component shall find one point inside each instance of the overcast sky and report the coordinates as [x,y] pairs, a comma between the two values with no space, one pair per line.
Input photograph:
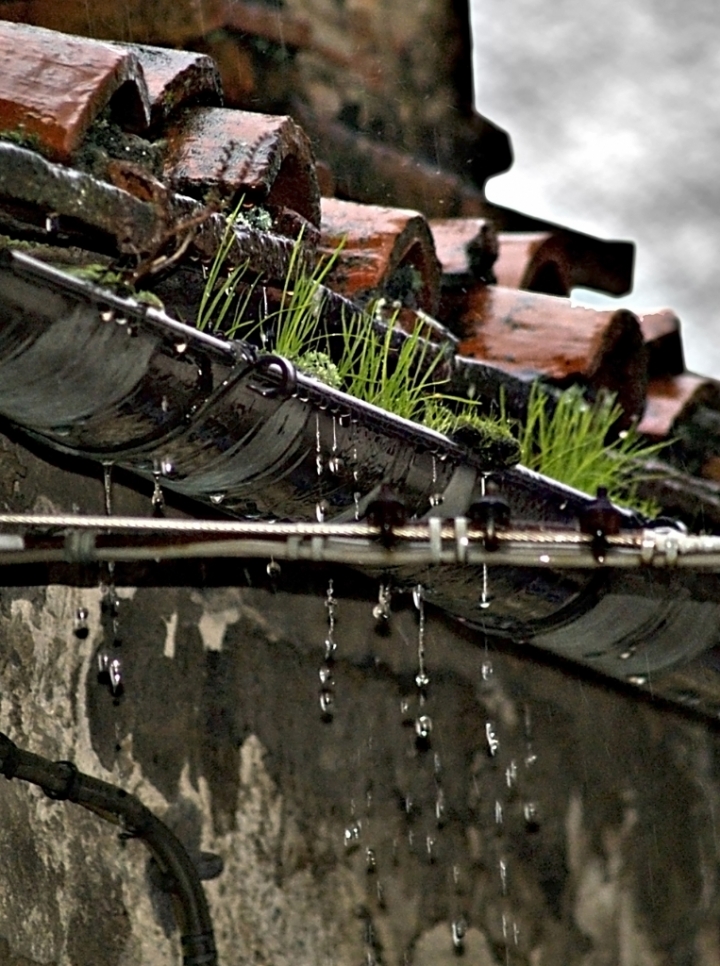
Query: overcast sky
[613,109]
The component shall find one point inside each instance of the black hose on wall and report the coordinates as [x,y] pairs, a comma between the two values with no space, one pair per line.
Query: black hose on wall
[62,781]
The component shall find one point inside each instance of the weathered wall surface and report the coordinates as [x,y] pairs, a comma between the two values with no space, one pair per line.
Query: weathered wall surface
[588,838]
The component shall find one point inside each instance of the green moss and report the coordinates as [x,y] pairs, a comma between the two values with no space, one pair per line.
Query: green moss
[23,138]
[320,366]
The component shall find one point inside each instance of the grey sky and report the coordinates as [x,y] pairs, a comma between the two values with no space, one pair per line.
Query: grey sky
[614,114]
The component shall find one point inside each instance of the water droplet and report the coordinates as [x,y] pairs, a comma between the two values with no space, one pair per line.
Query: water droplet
[370,861]
[273,568]
[80,626]
[498,813]
[530,814]
[440,808]
[638,679]
[418,596]
[325,675]
[107,315]
[626,654]
[352,836]
[356,500]
[430,847]
[180,347]
[52,223]
[121,320]
[493,742]
[107,488]
[320,510]
[380,893]
[217,498]
[511,774]
[158,499]
[421,679]
[436,499]
[327,703]
[486,670]
[335,465]
[502,865]
[423,727]
[459,927]
[167,466]
[436,764]
[164,404]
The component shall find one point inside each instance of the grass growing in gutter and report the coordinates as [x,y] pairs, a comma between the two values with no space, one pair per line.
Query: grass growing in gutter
[403,379]
[570,444]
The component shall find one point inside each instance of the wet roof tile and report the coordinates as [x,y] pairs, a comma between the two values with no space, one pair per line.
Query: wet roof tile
[267,157]
[525,332]
[661,331]
[467,248]
[175,78]
[671,401]
[51,94]
[385,251]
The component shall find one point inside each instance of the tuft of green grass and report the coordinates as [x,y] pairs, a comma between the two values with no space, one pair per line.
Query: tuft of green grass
[570,444]
[403,379]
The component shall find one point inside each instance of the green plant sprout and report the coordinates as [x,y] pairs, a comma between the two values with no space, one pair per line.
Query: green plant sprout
[404,380]
[570,444]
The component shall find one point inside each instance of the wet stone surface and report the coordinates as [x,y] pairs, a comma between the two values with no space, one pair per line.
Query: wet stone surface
[542,818]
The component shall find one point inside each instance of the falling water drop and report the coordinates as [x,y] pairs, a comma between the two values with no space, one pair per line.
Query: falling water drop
[327,685]
[493,743]
[370,861]
[487,670]
[107,488]
[530,814]
[502,866]
[327,704]
[435,498]
[484,591]
[511,774]
[273,568]
[498,812]
[320,511]
[318,446]
[217,498]
[423,727]
[352,836]
[638,679]
[430,848]
[459,928]
[440,808]
[80,626]
[158,499]
[381,610]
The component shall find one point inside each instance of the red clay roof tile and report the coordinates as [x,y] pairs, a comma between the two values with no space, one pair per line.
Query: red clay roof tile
[531,332]
[661,331]
[175,78]
[467,248]
[51,94]
[671,400]
[264,156]
[386,251]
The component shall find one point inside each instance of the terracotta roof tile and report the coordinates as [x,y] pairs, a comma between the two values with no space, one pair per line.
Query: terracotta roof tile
[264,156]
[530,332]
[386,251]
[672,400]
[467,248]
[555,262]
[661,331]
[51,94]
[175,78]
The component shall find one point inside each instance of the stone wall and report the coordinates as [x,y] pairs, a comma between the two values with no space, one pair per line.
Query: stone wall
[588,838]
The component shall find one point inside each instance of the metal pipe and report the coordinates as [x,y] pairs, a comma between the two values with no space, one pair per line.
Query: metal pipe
[450,542]
[62,781]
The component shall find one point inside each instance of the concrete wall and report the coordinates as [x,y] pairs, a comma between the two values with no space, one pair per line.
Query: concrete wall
[608,835]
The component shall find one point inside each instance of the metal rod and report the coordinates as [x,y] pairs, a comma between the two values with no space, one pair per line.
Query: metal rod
[447,542]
